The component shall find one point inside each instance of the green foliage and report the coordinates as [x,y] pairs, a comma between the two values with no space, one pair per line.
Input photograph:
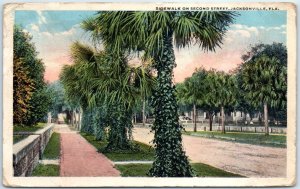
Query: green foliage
[170,159]
[136,30]
[46,171]
[120,130]
[18,138]
[59,102]
[52,150]
[265,81]
[33,128]
[222,87]
[86,122]
[39,106]
[152,33]
[107,89]
[30,100]
[200,170]
[138,151]
[276,50]
[209,90]
[192,91]
[23,90]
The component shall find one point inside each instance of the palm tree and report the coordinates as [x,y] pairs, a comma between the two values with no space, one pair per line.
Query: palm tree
[223,91]
[153,33]
[192,92]
[265,84]
[108,91]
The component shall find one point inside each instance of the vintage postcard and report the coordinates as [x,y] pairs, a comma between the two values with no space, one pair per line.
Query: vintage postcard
[149,94]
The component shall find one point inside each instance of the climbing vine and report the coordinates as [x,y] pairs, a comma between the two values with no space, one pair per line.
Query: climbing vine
[170,159]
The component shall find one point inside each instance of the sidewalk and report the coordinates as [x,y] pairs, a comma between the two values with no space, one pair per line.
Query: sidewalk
[79,158]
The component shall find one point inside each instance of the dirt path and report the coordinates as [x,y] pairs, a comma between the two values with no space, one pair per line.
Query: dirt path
[79,158]
[245,159]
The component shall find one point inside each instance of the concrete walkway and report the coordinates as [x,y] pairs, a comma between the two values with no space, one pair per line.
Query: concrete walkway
[245,159]
[81,159]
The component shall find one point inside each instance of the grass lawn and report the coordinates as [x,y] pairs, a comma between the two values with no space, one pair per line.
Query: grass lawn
[17,138]
[143,151]
[22,128]
[200,170]
[249,138]
[46,170]
[52,150]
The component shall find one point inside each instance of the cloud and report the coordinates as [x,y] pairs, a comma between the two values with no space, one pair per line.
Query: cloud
[244,29]
[34,27]
[41,19]
[236,42]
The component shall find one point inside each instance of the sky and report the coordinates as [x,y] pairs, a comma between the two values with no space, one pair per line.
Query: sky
[54,31]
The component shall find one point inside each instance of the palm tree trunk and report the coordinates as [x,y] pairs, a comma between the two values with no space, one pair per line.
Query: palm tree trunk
[266,119]
[195,117]
[210,116]
[79,119]
[223,119]
[170,159]
[144,118]
[75,120]
[118,136]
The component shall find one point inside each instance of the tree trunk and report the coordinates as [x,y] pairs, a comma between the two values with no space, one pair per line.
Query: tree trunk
[75,120]
[144,118]
[210,116]
[170,159]
[118,138]
[79,119]
[266,119]
[195,117]
[223,119]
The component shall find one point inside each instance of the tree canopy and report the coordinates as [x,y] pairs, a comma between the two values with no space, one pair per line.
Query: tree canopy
[31,101]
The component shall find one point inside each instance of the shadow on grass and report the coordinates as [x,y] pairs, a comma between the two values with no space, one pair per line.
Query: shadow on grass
[199,169]
[139,151]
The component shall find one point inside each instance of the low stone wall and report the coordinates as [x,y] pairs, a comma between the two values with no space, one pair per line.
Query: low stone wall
[26,155]
[45,135]
[27,152]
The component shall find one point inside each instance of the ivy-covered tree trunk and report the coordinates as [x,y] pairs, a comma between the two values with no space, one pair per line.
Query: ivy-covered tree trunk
[170,159]
[79,119]
[121,125]
[98,123]
[266,119]
[86,125]
[223,119]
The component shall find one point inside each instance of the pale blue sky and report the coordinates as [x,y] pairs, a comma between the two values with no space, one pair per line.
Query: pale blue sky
[63,20]
[54,31]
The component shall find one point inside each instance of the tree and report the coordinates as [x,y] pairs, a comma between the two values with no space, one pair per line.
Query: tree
[192,92]
[109,89]
[153,33]
[223,89]
[23,89]
[265,81]
[59,102]
[31,69]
